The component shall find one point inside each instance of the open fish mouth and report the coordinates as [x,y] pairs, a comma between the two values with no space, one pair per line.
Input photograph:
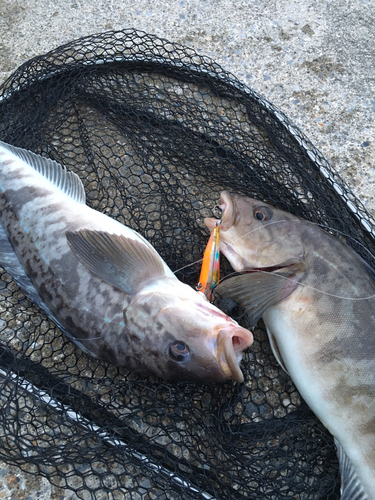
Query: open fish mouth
[229,351]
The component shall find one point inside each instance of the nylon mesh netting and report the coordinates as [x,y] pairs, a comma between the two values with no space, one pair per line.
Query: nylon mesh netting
[155,132]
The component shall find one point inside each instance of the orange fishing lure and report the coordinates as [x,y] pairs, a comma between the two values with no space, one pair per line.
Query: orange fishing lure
[210,272]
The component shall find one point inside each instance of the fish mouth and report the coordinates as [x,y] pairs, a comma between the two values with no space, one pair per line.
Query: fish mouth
[230,215]
[231,343]
[242,266]
[211,222]
[273,268]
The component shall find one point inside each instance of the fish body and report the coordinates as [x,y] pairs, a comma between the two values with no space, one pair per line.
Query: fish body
[103,283]
[317,299]
[210,272]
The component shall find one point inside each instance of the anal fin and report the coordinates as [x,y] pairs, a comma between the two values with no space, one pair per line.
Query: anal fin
[351,486]
[9,261]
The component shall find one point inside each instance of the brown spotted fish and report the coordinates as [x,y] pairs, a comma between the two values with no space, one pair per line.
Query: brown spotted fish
[102,283]
[317,299]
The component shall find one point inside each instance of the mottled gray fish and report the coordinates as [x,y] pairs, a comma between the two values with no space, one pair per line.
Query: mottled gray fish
[102,283]
[316,297]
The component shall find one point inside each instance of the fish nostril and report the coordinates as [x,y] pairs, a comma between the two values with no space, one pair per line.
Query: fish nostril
[241,339]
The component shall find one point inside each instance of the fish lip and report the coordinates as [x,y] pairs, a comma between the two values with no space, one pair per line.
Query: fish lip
[274,267]
[210,222]
[229,216]
[231,343]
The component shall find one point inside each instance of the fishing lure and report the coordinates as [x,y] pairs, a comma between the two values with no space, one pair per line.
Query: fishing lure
[210,272]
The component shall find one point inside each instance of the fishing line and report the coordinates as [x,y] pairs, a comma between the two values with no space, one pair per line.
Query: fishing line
[313,223]
[321,291]
[299,283]
[346,235]
[291,279]
[268,224]
[188,265]
[199,261]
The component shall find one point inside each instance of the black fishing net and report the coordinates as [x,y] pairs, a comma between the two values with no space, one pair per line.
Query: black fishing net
[155,132]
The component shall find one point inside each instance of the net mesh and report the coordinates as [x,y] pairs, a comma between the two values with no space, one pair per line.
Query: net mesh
[155,132]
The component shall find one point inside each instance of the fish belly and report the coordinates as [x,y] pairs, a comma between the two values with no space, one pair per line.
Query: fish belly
[336,381]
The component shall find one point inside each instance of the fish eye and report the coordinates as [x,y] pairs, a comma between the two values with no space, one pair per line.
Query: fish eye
[179,351]
[263,213]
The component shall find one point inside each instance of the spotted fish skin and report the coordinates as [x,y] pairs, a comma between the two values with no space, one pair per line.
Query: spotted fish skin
[124,308]
[317,301]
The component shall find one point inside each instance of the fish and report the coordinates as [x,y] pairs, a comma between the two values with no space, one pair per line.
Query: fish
[210,271]
[103,283]
[316,297]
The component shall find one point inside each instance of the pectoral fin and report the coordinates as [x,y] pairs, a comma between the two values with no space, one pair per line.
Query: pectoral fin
[123,262]
[257,291]
[351,487]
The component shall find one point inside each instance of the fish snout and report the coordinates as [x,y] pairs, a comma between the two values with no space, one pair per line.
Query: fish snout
[230,344]
[230,215]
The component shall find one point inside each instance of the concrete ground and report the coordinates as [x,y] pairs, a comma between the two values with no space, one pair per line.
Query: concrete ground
[314,59]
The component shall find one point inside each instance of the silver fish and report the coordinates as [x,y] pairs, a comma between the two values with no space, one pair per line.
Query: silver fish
[102,283]
[316,297]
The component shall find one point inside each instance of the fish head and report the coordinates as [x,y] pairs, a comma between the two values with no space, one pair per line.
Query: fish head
[190,339]
[255,235]
[170,330]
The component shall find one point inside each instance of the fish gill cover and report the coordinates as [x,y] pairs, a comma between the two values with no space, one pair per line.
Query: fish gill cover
[156,132]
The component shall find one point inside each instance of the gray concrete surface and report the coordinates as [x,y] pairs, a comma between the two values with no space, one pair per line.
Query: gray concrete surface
[314,59]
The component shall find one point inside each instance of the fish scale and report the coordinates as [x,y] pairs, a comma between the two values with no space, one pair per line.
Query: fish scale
[316,297]
[103,284]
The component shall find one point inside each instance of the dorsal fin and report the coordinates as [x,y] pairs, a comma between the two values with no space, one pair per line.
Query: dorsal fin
[68,182]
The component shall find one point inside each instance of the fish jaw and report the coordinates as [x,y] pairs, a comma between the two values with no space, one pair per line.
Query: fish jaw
[228,338]
[230,345]
[180,314]
[230,214]
[230,250]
